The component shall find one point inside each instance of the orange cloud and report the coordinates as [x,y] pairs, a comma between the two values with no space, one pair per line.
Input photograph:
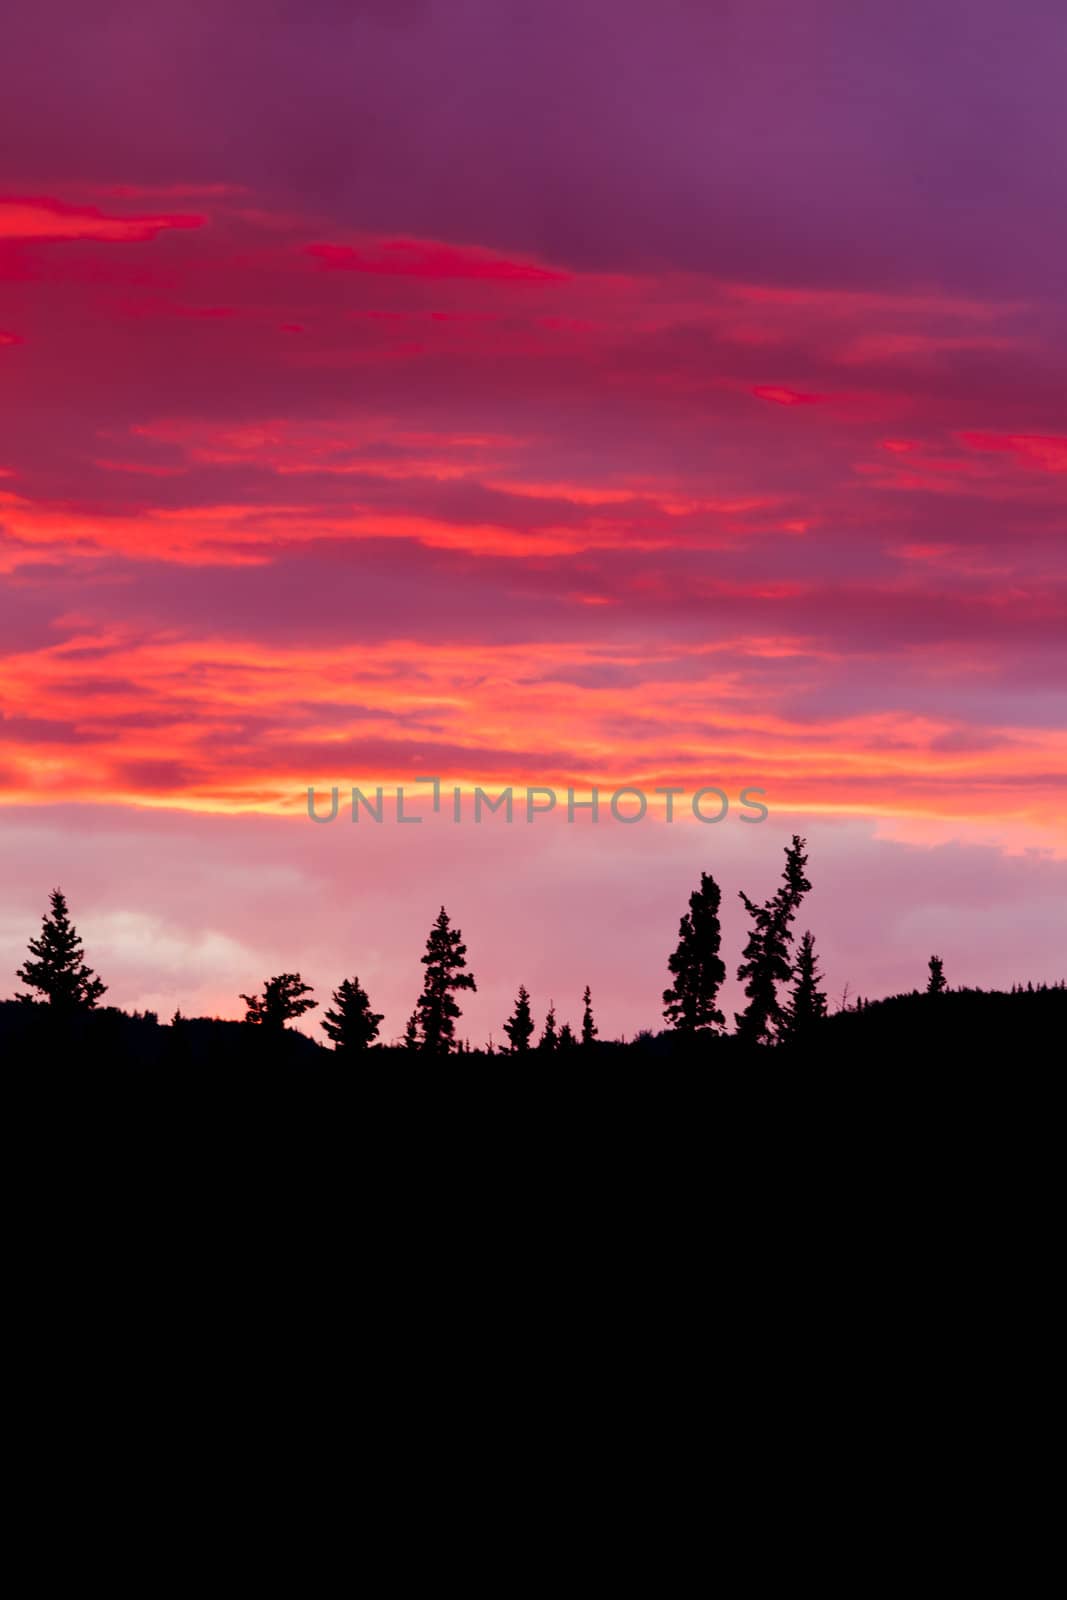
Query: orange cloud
[554,540]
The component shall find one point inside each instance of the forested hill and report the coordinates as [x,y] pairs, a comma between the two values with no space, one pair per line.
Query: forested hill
[968,1027]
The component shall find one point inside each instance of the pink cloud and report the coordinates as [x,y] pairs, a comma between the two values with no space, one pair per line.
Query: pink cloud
[222,902]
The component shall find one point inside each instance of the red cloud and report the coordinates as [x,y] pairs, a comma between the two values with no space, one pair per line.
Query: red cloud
[1043,450]
[421,258]
[38,217]
[214,512]
[787,397]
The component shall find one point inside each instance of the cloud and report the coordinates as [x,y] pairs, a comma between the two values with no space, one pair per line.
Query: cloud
[1048,453]
[419,258]
[786,397]
[42,218]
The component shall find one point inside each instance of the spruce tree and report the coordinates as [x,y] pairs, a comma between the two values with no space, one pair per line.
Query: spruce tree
[56,967]
[807,1003]
[445,958]
[936,982]
[766,955]
[520,1026]
[589,1028]
[282,1001]
[549,1040]
[411,1032]
[689,1003]
[567,1041]
[351,1024]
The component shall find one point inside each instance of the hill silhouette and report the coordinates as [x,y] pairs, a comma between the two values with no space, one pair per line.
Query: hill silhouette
[962,1026]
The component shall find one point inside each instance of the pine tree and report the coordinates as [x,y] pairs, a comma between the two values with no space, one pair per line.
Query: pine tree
[520,1026]
[446,956]
[807,1003]
[766,955]
[936,982]
[549,1040]
[352,1025]
[567,1041]
[589,1028]
[689,1004]
[411,1032]
[282,1000]
[56,967]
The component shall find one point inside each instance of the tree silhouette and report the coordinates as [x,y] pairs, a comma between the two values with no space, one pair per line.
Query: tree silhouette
[549,1040]
[351,1025]
[66,1020]
[445,958]
[589,1028]
[282,1000]
[807,1003]
[56,967]
[689,1003]
[520,1026]
[766,955]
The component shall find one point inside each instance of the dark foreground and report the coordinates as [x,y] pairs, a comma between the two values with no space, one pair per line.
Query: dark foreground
[1026,1027]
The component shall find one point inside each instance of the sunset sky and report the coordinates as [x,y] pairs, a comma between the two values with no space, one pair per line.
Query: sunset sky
[563,394]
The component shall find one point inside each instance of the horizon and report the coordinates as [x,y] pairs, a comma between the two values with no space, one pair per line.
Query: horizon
[526,929]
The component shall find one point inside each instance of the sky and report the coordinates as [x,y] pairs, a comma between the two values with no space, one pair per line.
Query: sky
[572,394]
